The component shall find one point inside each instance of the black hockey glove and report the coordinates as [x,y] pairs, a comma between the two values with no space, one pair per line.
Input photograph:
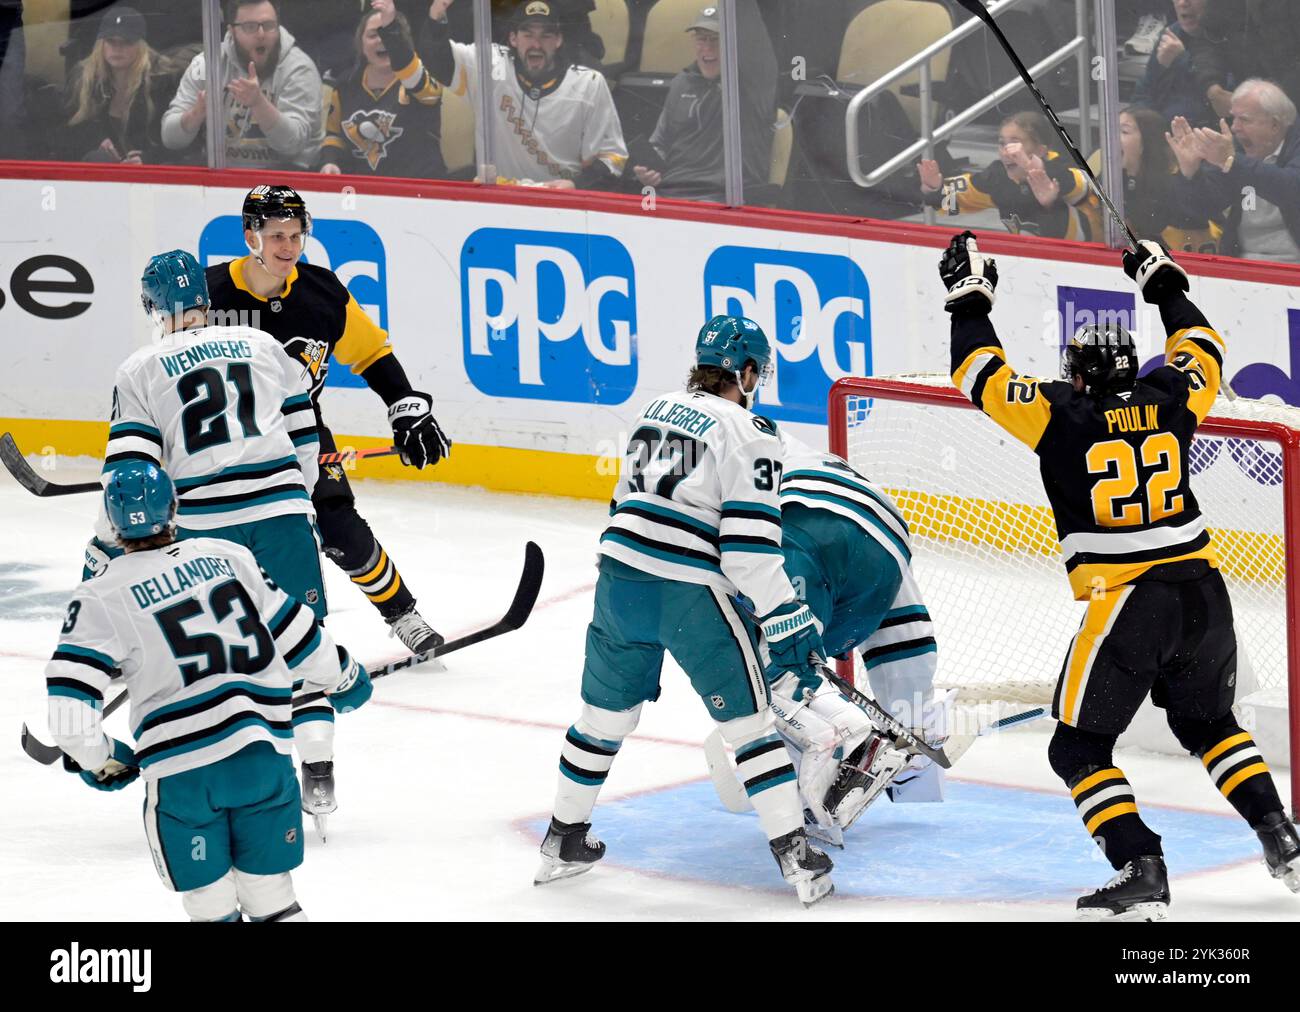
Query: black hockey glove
[970,277]
[416,433]
[1155,271]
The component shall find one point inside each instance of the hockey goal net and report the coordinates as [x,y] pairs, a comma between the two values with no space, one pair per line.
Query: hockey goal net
[985,547]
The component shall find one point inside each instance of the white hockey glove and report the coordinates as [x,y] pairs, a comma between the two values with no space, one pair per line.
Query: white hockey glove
[98,556]
[970,277]
[1155,271]
[419,438]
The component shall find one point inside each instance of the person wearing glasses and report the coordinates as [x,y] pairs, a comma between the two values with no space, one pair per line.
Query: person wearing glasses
[272,94]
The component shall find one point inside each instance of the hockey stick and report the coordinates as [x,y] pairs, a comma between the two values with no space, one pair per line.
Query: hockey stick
[16,464]
[530,585]
[885,722]
[981,12]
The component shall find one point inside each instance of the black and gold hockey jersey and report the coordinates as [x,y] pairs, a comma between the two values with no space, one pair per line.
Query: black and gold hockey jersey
[1075,215]
[393,132]
[313,318]
[1115,468]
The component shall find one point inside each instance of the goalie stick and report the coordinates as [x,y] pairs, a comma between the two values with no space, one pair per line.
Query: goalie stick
[885,722]
[530,585]
[16,464]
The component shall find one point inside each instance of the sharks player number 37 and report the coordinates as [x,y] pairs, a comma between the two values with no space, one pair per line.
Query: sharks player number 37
[695,520]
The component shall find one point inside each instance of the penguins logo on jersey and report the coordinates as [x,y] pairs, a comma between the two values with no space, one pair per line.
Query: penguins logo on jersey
[371,131]
[315,357]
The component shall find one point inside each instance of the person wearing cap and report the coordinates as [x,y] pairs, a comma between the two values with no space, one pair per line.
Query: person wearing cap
[116,95]
[272,98]
[553,122]
[684,157]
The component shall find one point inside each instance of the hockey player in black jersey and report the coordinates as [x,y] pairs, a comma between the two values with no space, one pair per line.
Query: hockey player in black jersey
[1113,451]
[309,311]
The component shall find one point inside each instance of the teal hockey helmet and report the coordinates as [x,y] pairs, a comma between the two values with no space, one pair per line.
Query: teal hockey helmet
[729,342]
[140,499]
[173,282]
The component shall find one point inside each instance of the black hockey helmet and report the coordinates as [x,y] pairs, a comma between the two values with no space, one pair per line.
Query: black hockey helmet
[274,203]
[1105,357]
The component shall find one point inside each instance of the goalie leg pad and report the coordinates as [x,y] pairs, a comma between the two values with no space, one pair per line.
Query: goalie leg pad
[216,902]
[590,747]
[870,769]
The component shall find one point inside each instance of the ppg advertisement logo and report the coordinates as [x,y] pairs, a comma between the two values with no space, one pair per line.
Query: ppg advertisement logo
[351,249]
[549,316]
[814,307]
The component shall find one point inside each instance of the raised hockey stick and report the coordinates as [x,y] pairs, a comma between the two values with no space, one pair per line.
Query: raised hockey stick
[981,12]
[16,464]
[530,585]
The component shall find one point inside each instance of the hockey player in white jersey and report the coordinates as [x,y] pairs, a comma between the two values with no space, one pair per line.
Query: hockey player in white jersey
[695,520]
[553,123]
[229,414]
[848,553]
[210,649]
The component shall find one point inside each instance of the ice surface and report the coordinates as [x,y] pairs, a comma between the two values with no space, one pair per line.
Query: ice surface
[445,779]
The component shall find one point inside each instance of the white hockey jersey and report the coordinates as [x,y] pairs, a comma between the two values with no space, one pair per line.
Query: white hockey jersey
[228,415]
[697,499]
[550,132]
[210,650]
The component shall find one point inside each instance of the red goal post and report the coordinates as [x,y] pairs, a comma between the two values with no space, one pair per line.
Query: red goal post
[986,554]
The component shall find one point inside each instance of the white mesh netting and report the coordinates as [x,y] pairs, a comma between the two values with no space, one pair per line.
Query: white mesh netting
[986,553]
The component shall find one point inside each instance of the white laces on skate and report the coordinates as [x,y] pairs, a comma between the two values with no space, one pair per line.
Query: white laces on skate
[411,629]
[1124,875]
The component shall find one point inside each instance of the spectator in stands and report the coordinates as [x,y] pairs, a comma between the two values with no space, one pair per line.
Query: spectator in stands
[12,53]
[1263,38]
[1252,170]
[116,96]
[553,123]
[1188,73]
[684,156]
[1150,205]
[1035,190]
[385,118]
[272,98]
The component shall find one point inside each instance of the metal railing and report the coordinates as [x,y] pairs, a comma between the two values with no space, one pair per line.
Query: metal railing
[921,62]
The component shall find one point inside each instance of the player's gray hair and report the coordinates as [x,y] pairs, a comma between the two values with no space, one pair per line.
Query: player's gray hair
[1272,99]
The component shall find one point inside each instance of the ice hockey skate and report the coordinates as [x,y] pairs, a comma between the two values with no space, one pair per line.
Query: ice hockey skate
[1281,849]
[568,850]
[803,866]
[415,633]
[318,793]
[1140,892]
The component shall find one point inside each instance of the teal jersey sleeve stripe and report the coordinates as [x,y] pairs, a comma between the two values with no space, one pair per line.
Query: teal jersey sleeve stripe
[296,401]
[310,649]
[758,549]
[70,692]
[902,655]
[261,500]
[756,507]
[663,511]
[915,609]
[310,437]
[135,429]
[86,652]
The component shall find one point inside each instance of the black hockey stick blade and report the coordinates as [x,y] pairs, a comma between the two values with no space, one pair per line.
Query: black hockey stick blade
[980,11]
[48,754]
[16,464]
[44,754]
[530,585]
[885,722]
